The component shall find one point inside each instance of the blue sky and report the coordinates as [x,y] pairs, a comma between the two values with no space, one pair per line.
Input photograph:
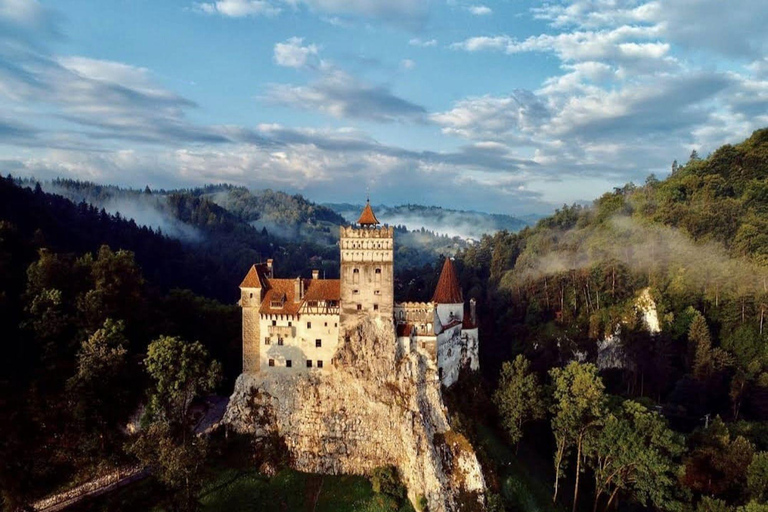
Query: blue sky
[506,106]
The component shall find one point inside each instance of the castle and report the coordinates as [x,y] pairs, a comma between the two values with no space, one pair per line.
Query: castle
[295,325]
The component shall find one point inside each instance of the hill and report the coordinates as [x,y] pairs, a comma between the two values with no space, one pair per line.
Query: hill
[468,225]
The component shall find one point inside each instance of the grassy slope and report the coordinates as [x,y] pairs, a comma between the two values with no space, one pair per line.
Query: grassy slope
[231,490]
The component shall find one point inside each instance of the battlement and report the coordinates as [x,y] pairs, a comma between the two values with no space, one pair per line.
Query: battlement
[367,232]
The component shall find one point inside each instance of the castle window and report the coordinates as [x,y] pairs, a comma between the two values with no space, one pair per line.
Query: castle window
[423,344]
[336,324]
[267,340]
[355,292]
[375,307]
[271,362]
[378,271]
[290,324]
[274,322]
[318,343]
[309,325]
[309,363]
[251,295]
[319,364]
[326,324]
[279,341]
[288,363]
[359,307]
[355,276]
[377,292]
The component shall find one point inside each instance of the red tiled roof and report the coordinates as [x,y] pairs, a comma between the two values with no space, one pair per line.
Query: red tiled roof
[255,277]
[404,329]
[451,325]
[322,289]
[367,218]
[314,289]
[448,290]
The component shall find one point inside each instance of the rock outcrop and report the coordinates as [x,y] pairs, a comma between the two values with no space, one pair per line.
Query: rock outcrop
[378,405]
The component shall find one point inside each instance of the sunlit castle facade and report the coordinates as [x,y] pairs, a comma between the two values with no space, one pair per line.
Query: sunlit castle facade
[292,325]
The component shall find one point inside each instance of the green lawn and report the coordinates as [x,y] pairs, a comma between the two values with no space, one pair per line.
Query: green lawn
[290,491]
[233,490]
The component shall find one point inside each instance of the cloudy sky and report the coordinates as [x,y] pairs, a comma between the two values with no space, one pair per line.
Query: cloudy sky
[509,106]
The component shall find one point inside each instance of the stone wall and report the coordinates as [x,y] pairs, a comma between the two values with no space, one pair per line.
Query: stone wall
[380,407]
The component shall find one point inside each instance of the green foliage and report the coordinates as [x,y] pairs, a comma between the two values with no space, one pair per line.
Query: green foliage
[386,480]
[577,410]
[757,477]
[180,372]
[519,397]
[634,453]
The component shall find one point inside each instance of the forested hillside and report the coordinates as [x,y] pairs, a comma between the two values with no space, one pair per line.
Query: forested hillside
[573,287]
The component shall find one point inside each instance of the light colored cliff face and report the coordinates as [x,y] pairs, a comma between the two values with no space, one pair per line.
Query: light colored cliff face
[381,407]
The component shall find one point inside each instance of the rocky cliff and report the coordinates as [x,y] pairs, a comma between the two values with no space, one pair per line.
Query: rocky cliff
[378,405]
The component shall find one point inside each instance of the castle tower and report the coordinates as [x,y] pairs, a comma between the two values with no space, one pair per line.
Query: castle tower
[367,276]
[251,295]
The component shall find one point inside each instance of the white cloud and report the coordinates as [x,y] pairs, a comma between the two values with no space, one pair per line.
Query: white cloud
[480,10]
[423,43]
[407,64]
[293,54]
[239,8]
[341,95]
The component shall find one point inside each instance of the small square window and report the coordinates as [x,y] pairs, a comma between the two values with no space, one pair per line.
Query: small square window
[288,363]
[271,362]
[336,324]
[355,292]
[326,324]
[290,324]
[378,271]
[319,364]
[274,322]
[318,343]
[267,341]
[359,307]
[279,341]
[309,363]
[375,307]
[309,325]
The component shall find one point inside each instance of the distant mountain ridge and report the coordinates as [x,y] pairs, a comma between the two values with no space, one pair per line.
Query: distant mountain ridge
[466,224]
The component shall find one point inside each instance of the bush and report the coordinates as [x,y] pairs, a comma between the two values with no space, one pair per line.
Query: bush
[386,480]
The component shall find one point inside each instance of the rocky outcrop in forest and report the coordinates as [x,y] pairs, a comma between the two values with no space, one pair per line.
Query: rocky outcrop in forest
[378,405]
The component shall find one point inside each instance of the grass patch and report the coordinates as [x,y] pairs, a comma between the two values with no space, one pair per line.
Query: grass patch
[294,491]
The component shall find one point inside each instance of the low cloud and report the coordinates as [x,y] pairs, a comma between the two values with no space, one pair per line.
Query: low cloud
[294,54]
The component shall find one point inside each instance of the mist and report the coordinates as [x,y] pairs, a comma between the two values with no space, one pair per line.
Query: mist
[144,209]
[642,247]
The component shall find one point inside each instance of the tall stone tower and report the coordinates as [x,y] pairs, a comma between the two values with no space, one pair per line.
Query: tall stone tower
[252,291]
[367,274]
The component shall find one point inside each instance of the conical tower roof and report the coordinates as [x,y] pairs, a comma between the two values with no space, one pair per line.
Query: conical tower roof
[367,218]
[448,290]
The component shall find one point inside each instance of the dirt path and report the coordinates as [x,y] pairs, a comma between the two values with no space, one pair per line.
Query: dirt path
[96,487]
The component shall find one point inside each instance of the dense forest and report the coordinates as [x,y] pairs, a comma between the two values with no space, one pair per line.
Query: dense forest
[693,391]
[623,345]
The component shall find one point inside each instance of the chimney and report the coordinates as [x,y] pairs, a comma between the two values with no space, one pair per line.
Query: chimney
[298,290]
[270,272]
[315,274]
[472,311]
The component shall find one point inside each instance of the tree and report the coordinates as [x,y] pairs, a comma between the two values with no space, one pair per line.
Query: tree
[706,360]
[180,371]
[757,477]
[577,409]
[98,389]
[519,397]
[634,452]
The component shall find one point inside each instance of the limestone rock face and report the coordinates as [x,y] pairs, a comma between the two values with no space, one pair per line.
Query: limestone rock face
[374,407]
